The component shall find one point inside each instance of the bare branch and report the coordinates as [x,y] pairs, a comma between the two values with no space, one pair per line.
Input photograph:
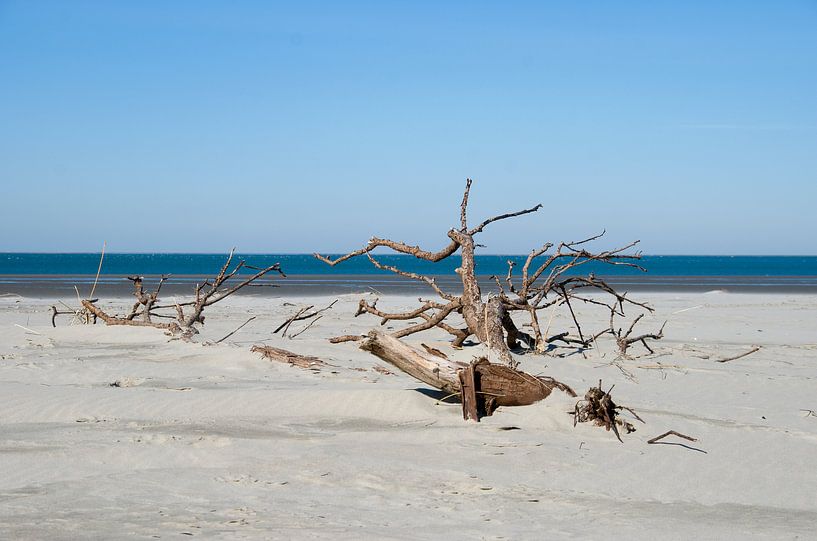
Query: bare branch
[464,206]
[220,340]
[399,247]
[414,276]
[671,433]
[480,227]
[736,357]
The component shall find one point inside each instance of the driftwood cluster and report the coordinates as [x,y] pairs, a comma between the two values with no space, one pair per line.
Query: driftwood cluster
[547,280]
[178,318]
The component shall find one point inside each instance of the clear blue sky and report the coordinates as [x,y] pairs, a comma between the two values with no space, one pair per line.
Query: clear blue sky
[293,127]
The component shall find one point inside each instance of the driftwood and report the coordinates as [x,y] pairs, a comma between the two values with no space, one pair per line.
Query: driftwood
[736,357]
[547,280]
[346,338]
[434,351]
[288,357]
[671,433]
[435,371]
[183,316]
[625,340]
[225,337]
[482,386]
[598,407]
[301,315]
[79,314]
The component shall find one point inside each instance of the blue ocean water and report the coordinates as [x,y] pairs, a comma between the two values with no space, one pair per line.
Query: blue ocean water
[305,264]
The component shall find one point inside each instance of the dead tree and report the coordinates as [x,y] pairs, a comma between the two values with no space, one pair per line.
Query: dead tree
[180,318]
[545,281]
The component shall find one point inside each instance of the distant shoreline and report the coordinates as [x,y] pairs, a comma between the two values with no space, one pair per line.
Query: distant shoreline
[62,286]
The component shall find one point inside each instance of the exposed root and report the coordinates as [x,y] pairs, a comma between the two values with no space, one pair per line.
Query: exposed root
[598,407]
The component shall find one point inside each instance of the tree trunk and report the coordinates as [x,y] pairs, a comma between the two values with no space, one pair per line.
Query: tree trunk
[486,321]
[495,318]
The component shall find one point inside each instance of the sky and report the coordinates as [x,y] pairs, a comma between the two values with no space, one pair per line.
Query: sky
[311,126]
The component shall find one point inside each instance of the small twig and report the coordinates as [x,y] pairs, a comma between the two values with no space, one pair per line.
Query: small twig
[98,270]
[28,330]
[305,328]
[753,350]
[633,412]
[673,433]
[285,325]
[687,309]
[301,315]
[235,331]
[434,351]
[809,413]
[55,313]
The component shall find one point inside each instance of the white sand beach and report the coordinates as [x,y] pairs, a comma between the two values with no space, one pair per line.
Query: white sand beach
[214,441]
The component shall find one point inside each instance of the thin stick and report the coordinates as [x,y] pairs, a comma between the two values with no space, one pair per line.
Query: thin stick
[687,309]
[305,328]
[633,412]
[235,331]
[98,270]
[28,330]
[285,325]
[77,315]
[671,432]
[301,315]
[550,319]
[753,350]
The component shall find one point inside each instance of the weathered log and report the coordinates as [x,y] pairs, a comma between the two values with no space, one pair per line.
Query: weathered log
[482,385]
[435,371]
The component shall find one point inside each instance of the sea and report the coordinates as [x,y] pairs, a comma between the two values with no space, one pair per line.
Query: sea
[57,274]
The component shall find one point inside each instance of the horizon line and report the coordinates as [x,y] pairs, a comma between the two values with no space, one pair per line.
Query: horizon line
[328,253]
